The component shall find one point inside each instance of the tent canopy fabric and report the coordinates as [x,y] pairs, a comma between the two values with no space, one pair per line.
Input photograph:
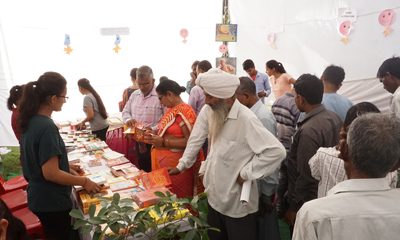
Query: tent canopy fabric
[307,41]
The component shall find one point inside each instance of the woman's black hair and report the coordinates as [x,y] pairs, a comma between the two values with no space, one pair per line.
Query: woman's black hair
[15,96]
[277,65]
[169,85]
[358,110]
[84,83]
[37,93]
[16,229]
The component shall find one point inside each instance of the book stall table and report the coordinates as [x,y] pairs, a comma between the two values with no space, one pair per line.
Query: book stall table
[115,174]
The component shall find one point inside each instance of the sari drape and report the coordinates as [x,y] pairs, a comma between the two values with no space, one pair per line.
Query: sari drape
[186,183]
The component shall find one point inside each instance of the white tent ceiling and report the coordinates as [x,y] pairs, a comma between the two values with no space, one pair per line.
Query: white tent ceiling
[32,37]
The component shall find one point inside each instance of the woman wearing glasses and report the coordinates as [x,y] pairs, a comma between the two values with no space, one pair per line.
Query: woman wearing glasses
[94,109]
[44,157]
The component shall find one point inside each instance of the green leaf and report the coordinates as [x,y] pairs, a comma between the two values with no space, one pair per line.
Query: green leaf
[173,198]
[127,219]
[92,209]
[95,220]
[97,235]
[190,235]
[116,198]
[183,201]
[204,236]
[191,222]
[75,213]
[194,200]
[102,212]
[196,220]
[203,216]
[112,237]
[103,204]
[214,229]
[118,208]
[79,224]
[107,199]
[159,194]
[122,237]
[115,227]
[86,229]
[164,234]
[157,209]
[168,194]
[141,227]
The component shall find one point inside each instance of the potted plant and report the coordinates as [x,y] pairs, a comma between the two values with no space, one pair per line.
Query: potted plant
[123,220]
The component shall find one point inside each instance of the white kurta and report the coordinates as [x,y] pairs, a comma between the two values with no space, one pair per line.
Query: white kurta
[244,147]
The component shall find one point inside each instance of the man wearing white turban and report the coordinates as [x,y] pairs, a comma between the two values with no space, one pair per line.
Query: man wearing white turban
[240,149]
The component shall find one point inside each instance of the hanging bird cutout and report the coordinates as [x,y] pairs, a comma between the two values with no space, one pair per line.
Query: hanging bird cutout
[184,33]
[67,42]
[117,42]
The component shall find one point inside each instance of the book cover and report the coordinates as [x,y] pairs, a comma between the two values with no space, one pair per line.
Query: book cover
[117,161]
[123,185]
[115,180]
[156,178]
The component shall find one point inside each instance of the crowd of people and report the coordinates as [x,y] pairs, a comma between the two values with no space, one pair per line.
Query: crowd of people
[314,159]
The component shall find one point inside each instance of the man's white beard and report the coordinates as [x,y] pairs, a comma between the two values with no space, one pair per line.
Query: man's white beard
[218,115]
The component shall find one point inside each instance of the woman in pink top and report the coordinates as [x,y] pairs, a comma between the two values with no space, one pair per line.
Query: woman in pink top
[280,80]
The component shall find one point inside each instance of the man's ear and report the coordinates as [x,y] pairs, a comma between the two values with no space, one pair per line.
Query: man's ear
[344,150]
[3,229]
[340,85]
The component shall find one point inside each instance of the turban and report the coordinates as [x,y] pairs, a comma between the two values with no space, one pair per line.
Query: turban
[218,83]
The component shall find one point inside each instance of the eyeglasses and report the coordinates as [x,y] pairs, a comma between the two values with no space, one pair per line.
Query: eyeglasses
[144,84]
[65,97]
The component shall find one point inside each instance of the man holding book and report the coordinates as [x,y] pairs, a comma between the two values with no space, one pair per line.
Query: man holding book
[143,107]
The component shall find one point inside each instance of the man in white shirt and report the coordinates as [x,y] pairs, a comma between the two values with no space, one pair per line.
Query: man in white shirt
[389,76]
[363,207]
[241,149]
[267,217]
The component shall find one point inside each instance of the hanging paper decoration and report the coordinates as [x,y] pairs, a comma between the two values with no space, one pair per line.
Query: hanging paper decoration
[184,33]
[67,42]
[346,19]
[386,18]
[271,39]
[223,48]
[344,29]
[117,42]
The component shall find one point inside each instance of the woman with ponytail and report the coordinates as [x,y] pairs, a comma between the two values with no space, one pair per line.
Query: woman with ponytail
[94,109]
[12,105]
[280,80]
[44,157]
[173,133]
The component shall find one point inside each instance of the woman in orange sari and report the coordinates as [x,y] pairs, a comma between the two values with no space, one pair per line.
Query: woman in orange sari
[173,133]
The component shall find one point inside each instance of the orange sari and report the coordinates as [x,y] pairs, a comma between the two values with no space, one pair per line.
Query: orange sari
[186,183]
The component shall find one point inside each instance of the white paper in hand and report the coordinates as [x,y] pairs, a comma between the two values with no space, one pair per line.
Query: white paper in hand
[244,197]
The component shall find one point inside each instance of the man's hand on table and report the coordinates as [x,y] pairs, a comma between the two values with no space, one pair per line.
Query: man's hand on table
[173,171]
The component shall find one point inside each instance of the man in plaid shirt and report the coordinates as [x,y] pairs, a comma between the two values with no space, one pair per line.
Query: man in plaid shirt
[144,107]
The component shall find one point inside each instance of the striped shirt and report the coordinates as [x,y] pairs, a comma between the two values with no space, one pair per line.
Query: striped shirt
[286,114]
[146,110]
[329,170]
